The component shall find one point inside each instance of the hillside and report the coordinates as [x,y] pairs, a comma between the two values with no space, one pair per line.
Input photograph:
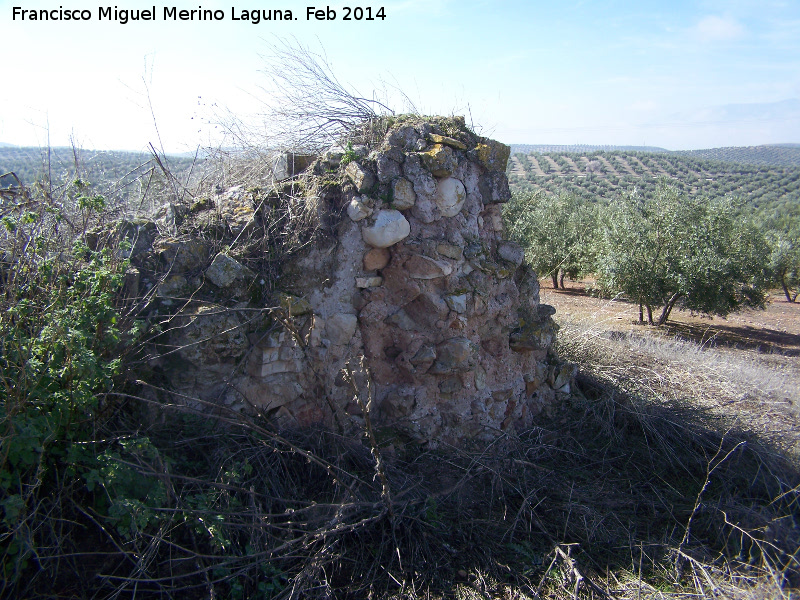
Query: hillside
[779,155]
[113,173]
[582,148]
[771,191]
[775,155]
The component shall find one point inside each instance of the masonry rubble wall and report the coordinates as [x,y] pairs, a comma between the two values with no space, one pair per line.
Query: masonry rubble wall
[408,269]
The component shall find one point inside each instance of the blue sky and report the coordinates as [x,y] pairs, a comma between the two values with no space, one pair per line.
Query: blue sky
[679,75]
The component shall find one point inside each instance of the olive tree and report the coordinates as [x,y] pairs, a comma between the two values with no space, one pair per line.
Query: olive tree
[671,250]
[785,261]
[554,229]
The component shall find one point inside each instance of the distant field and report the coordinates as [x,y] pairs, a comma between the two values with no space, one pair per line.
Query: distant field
[120,175]
[777,155]
[766,177]
[782,155]
[581,148]
[770,190]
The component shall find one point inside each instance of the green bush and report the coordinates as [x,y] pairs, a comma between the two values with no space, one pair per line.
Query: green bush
[62,333]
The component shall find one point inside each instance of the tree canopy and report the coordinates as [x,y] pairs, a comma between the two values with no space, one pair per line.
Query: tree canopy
[660,250]
[554,229]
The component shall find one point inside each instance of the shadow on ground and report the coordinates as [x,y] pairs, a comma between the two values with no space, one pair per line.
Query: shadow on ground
[607,490]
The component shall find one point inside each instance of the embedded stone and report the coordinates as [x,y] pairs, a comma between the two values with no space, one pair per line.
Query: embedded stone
[332,157]
[404,137]
[340,328]
[427,309]
[493,155]
[455,355]
[397,406]
[423,182]
[388,169]
[376,259]
[480,378]
[402,320]
[450,251]
[173,286]
[361,178]
[236,210]
[403,196]
[368,282]
[502,395]
[271,392]
[422,267]
[425,209]
[289,164]
[390,227]
[225,270]
[563,375]
[294,306]
[208,338]
[357,209]
[140,233]
[473,250]
[426,354]
[545,310]
[533,336]
[450,196]
[374,312]
[447,141]
[457,303]
[511,252]
[494,188]
[170,216]
[183,256]
[279,366]
[450,385]
[131,282]
[440,160]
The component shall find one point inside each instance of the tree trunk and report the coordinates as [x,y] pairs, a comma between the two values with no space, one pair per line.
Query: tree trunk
[641,312]
[554,275]
[668,308]
[561,279]
[786,290]
[649,315]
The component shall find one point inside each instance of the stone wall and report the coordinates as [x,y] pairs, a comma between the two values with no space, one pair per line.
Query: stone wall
[407,268]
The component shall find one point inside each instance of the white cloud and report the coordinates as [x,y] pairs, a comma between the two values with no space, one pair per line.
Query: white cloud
[717,29]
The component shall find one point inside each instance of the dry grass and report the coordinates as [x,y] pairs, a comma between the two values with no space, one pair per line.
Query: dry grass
[758,390]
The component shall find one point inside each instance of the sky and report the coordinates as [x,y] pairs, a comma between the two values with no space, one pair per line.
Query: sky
[678,75]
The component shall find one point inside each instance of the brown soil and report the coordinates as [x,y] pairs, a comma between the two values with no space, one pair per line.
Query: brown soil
[774,330]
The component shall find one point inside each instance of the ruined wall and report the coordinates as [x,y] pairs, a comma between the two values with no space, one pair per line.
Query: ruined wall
[408,269]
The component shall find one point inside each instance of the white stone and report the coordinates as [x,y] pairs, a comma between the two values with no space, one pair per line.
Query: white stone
[390,227]
[358,210]
[450,196]
[340,328]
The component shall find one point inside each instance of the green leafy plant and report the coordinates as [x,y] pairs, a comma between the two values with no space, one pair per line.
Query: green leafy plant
[349,155]
[61,333]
